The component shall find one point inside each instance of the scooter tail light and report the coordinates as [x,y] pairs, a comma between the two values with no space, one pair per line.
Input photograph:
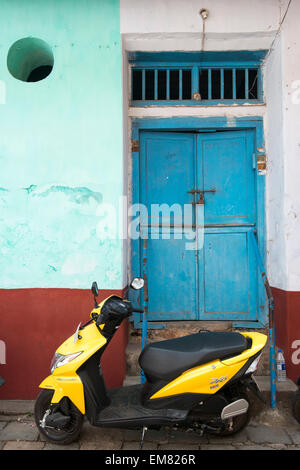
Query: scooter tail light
[253,366]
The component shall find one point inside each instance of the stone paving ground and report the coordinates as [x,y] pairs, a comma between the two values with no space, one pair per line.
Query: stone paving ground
[268,430]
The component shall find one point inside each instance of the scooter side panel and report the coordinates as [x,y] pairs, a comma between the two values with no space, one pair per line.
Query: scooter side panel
[63,386]
[206,379]
[64,380]
[91,340]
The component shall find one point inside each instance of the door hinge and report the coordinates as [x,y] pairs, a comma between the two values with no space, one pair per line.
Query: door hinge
[135,146]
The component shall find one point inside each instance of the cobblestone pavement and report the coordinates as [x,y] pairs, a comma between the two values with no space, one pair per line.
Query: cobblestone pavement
[269,430]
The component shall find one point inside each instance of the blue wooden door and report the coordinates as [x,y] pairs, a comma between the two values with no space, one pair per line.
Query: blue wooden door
[218,280]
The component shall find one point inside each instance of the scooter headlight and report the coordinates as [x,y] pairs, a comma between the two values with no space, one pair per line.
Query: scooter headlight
[59,360]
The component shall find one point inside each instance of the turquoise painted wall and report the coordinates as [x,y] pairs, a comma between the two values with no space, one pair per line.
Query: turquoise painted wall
[61,147]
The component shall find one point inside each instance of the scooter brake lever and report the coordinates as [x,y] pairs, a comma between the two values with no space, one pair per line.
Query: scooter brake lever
[94,316]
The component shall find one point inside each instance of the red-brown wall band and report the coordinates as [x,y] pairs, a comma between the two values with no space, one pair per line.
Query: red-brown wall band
[33,324]
[287,329]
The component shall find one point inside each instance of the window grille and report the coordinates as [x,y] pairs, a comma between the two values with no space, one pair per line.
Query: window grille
[159,83]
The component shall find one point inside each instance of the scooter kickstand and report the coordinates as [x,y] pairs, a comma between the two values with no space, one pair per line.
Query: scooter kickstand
[143,436]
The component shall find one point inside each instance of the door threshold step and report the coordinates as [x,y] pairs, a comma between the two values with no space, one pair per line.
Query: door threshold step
[132,380]
[213,325]
[264,384]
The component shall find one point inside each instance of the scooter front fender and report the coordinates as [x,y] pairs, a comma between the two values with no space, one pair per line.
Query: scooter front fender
[63,386]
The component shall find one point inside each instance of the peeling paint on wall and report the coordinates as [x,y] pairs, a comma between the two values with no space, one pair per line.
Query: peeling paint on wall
[52,241]
[80,195]
[231,121]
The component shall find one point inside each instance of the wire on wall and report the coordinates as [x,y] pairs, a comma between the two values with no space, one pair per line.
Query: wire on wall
[204,14]
[272,44]
[276,35]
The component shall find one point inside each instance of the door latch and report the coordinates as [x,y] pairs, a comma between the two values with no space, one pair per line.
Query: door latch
[200,193]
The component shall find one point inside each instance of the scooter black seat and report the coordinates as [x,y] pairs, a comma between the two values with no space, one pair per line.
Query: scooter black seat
[166,360]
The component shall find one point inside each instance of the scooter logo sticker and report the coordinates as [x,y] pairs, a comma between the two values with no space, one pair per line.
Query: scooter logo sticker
[216,382]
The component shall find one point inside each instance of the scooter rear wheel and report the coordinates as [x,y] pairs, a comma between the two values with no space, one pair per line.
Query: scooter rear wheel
[296,406]
[236,424]
[67,434]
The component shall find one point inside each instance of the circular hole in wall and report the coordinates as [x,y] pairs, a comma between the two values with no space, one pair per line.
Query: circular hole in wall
[30,59]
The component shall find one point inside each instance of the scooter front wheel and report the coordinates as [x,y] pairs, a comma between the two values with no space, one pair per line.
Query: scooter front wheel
[60,436]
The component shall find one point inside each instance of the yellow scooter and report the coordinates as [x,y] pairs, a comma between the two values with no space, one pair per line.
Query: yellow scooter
[200,381]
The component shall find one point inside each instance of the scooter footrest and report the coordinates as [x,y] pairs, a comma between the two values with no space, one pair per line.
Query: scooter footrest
[126,410]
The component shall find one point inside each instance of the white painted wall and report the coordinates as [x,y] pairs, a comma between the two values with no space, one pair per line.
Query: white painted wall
[291,143]
[273,130]
[232,24]
[236,25]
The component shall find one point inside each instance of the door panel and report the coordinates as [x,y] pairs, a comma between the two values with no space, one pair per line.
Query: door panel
[168,170]
[228,276]
[226,166]
[171,274]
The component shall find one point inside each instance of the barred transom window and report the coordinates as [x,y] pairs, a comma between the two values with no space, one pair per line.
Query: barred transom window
[195,78]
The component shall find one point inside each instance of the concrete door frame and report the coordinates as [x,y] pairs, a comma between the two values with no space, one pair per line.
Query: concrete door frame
[200,124]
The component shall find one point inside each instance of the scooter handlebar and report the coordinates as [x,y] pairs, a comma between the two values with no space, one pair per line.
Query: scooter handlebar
[111,315]
[136,308]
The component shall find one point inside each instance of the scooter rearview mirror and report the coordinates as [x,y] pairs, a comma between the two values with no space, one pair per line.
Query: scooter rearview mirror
[137,283]
[95,289]
[95,292]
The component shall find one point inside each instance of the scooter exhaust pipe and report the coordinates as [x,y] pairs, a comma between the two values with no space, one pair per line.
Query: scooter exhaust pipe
[236,408]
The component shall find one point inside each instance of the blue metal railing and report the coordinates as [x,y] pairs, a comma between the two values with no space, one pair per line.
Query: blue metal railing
[145,303]
[271,319]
